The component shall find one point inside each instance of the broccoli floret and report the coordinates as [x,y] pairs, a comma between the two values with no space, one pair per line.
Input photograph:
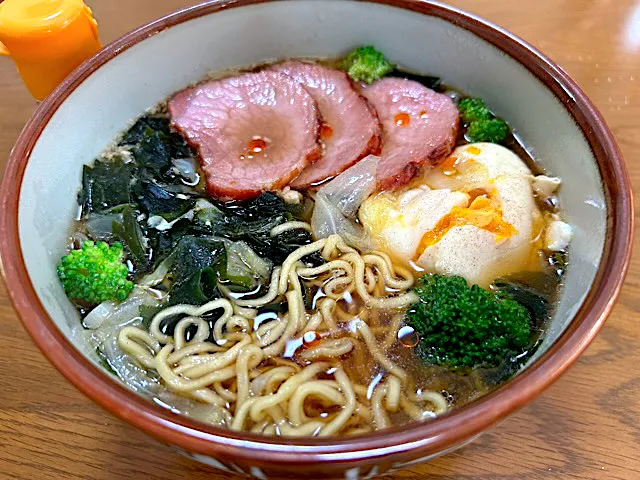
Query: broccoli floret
[464,326]
[472,109]
[482,126]
[366,64]
[95,273]
[491,130]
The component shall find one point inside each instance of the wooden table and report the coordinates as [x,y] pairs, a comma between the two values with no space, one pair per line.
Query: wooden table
[586,426]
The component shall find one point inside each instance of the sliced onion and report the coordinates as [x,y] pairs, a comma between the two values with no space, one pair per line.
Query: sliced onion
[352,187]
[156,277]
[119,313]
[100,226]
[105,322]
[337,203]
[98,315]
[134,376]
[187,169]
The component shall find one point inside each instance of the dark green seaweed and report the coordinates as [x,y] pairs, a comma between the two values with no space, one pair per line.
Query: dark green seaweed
[156,200]
[152,133]
[131,235]
[106,184]
[199,288]
[119,196]
[193,254]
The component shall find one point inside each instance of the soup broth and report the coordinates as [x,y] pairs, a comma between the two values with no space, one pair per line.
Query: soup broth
[326,288]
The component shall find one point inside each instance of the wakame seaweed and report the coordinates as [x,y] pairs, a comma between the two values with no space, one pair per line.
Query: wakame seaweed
[151,136]
[252,221]
[163,242]
[156,200]
[256,208]
[195,267]
[106,184]
[198,289]
[131,235]
[120,194]
[193,254]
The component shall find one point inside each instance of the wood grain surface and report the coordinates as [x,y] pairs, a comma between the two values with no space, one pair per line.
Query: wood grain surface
[586,426]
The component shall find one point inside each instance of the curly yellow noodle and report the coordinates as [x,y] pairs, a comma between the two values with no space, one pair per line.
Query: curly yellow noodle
[243,373]
[380,417]
[327,349]
[315,388]
[139,344]
[349,406]
[189,310]
[286,390]
[249,353]
[285,227]
[394,387]
[202,331]
[225,393]
[370,341]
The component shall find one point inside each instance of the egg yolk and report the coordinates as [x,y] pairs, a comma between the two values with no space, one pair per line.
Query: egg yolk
[473,150]
[482,213]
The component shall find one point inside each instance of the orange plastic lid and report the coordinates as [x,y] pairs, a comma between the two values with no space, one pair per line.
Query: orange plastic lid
[28,18]
[47,39]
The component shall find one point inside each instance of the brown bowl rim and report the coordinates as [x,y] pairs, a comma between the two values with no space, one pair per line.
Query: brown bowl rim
[425,438]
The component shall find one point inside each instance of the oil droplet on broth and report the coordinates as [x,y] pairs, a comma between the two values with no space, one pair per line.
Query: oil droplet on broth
[307,340]
[326,131]
[402,119]
[408,337]
[257,145]
[310,339]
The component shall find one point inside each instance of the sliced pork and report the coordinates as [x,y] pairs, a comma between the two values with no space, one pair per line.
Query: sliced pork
[350,130]
[254,132]
[419,127]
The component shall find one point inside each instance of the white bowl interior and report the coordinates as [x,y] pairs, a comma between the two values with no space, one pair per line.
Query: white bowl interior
[93,115]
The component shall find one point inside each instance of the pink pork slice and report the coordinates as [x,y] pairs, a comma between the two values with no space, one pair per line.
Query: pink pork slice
[350,130]
[255,132]
[419,127]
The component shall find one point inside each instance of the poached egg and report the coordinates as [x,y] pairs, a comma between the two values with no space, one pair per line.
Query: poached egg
[474,216]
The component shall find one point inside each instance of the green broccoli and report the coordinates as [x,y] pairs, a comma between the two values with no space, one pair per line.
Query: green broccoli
[464,326]
[366,64]
[95,273]
[491,130]
[472,109]
[482,125]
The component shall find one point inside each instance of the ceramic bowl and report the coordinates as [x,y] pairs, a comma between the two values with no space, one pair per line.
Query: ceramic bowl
[547,109]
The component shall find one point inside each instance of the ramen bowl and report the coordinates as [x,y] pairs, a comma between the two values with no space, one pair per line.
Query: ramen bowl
[547,109]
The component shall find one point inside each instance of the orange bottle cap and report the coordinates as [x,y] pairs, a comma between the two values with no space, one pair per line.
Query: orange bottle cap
[47,39]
